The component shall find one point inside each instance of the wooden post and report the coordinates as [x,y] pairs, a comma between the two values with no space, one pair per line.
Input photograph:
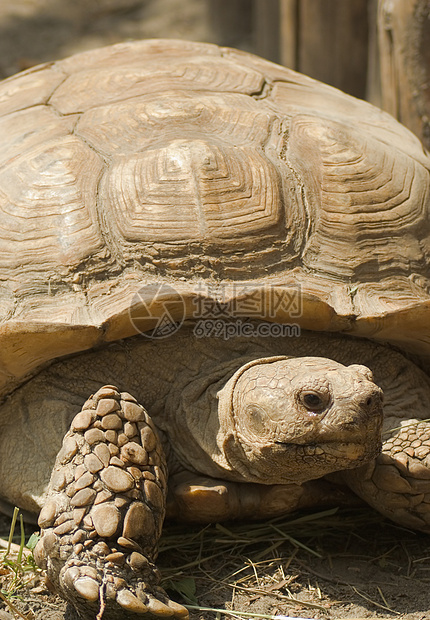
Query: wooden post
[288,44]
[267,30]
[404,45]
[333,43]
[373,86]
[232,21]
[326,39]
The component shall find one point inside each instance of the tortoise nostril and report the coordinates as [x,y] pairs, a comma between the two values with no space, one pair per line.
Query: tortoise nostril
[373,399]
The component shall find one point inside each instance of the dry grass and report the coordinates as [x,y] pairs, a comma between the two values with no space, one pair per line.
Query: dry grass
[18,569]
[290,565]
[340,564]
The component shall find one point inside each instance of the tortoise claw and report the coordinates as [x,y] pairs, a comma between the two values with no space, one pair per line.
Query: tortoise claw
[87,587]
[129,601]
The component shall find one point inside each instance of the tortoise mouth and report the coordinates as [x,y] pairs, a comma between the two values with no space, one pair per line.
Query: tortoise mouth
[353,451]
[336,455]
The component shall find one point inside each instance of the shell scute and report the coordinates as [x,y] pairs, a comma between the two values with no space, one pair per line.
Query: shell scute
[370,205]
[47,207]
[28,89]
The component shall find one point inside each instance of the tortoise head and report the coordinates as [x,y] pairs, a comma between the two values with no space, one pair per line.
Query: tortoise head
[297,419]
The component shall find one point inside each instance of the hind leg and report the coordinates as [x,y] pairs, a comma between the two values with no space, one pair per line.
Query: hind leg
[104,512]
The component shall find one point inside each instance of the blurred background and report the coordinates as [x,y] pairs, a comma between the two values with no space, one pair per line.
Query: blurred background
[377,50]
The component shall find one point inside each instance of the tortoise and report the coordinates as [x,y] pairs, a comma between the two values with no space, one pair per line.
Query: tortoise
[213,269]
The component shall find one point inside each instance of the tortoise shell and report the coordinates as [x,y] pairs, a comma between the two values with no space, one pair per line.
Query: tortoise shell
[205,169]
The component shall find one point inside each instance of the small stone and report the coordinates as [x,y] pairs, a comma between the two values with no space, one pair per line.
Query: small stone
[128,544]
[117,557]
[62,517]
[107,391]
[128,397]
[88,522]
[117,480]
[58,480]
[113,449]
[111,422]
[137,561]
[87,588]
[80,471]
[71,575]
[421,453]
[117,462]
[154,494]
[47,514]
[78,536]
[68,450]
[84,481]
[138,522]
[130,429]
[83,420]
[102,451]
[107,405]
[135,472]
[129,601]
[77,549]
[93,463]
[132,411]
[102,496]
[101,548]
[94,435]
[78,515]
[148,475]
[148,439]
[89,571]
[122,439]
[120,502]
[83,497]
[97,486]
[106,518]
[111,436]
[64,528]
[119,583]
[134,453]
[70,491]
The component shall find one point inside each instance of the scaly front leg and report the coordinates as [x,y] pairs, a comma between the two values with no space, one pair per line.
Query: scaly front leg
[104,512]
[397,483]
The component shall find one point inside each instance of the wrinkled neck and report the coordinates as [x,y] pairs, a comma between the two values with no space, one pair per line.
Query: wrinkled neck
[198,422]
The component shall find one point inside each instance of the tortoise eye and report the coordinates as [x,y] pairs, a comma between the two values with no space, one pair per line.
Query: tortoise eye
[313,401]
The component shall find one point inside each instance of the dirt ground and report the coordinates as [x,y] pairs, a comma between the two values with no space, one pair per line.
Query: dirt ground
[352,565]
